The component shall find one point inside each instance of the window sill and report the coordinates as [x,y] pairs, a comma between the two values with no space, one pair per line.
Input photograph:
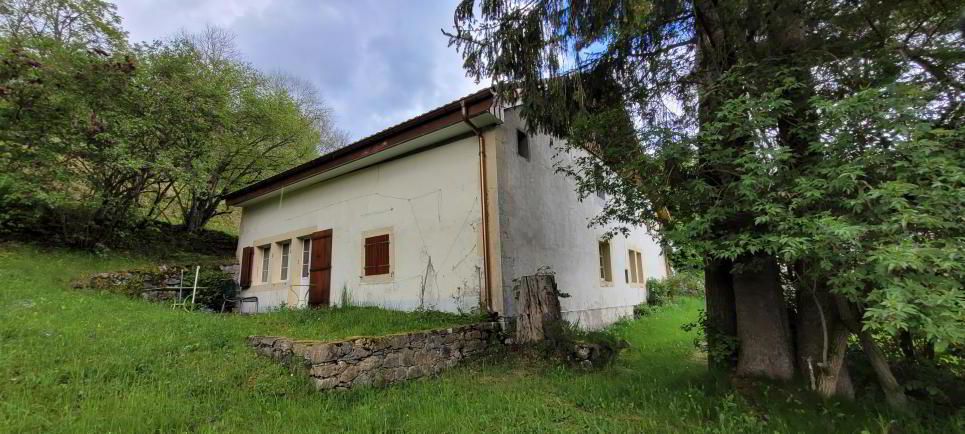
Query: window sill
[266,286]
[605,283]
[380,278]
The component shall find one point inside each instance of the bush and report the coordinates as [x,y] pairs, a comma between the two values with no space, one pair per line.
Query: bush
[19,205]
[215,286]
[660,292]
[580,348]
[643,309]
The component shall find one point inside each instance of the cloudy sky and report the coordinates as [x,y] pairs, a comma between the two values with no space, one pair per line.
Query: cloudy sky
[376,62]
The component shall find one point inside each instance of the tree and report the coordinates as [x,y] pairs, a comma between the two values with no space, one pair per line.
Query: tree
[98,136]
[85,23]
[705,119]
[265,124]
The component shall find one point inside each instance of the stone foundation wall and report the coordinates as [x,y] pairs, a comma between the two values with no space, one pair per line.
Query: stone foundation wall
[380,360]
[153,283]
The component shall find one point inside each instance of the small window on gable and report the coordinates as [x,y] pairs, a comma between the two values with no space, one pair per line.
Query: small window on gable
[285,255]
[265,262]
[606,273]
[522,144]
[377,258]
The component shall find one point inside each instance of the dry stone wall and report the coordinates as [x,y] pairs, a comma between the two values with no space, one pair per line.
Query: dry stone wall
[382,360]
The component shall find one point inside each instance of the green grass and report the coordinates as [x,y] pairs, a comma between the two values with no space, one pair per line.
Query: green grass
[76,361]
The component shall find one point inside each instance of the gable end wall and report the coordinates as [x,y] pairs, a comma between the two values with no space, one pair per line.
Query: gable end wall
[542,222]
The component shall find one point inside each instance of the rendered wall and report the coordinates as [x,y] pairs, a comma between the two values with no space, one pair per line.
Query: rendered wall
[542,222]
[428,200]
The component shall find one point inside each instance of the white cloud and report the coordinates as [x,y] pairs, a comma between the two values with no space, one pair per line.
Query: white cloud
[376,62]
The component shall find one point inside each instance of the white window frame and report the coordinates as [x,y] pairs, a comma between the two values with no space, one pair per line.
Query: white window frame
[637,275]
[605,253]
[306,257]
[286,249]
[265,252]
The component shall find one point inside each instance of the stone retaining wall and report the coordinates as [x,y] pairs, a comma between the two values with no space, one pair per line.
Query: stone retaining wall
[153,283]
[380,360]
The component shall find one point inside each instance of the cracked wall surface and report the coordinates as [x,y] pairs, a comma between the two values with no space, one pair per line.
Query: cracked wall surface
[429,201]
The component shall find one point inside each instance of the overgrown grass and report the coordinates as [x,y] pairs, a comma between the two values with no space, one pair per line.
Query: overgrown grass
[73,361]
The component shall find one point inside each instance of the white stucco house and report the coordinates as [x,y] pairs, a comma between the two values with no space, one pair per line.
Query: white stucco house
[439,212]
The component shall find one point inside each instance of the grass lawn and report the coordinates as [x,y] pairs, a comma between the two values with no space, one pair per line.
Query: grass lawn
[75,361]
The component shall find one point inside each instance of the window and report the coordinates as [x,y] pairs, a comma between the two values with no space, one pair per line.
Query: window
[522,144]
[265,258]
[606,274]
[306,256]
[635,261]
[285,254]
[377,258]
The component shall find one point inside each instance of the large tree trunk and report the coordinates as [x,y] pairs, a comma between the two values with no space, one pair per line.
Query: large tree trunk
[721,324]
[894,393]
[822,341]
[762,321]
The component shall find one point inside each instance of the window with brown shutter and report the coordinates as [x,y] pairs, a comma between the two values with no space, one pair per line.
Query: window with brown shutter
[377,261]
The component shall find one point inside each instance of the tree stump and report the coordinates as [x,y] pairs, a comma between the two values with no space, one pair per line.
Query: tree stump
[538,307]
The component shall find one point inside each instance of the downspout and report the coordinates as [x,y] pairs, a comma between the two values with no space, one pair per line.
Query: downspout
[484,203]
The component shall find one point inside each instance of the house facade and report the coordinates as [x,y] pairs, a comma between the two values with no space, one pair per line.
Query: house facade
[440,212]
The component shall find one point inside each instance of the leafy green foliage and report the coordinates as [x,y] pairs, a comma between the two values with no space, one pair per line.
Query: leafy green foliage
[99,137]
[719,348]
[825,136]
[83,23]
[663,291]
[216,287]
[893,224]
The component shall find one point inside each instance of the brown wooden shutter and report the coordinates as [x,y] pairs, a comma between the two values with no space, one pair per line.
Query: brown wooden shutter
[320,269]
[247,256]
[377,255]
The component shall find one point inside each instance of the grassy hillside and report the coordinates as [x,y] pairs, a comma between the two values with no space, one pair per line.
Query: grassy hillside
[74,361]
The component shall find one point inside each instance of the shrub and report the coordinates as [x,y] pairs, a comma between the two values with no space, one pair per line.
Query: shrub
[660,292]
[19,205]
[215,286]
[582,348]
[641,310]
[724,348]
